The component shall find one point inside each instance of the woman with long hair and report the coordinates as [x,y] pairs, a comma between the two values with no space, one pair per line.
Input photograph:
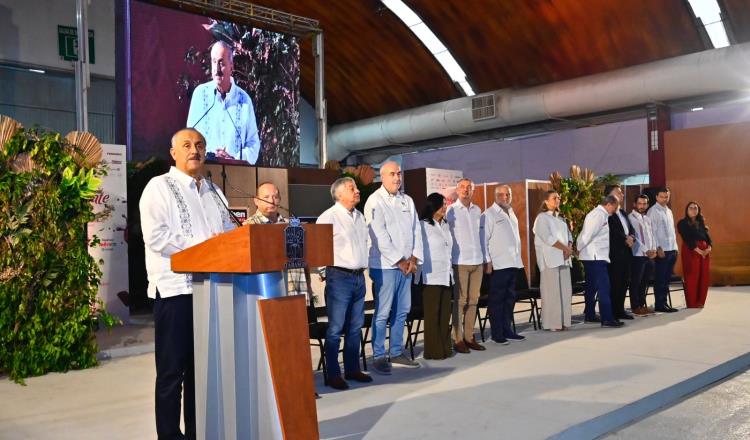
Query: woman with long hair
[436,277]
[554,247]
[696,247]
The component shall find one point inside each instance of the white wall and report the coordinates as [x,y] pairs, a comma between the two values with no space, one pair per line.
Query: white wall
[28,32]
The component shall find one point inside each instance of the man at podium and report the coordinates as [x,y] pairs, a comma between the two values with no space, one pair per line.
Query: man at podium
[179,209]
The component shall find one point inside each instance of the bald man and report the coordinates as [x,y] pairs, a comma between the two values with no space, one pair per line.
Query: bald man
[179,209]
[267,199]
[223,112]
[395,249]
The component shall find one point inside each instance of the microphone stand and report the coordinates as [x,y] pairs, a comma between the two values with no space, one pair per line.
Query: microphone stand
[209,109]
[231,214]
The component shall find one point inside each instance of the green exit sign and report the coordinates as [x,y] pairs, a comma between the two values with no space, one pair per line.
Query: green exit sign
[67,43]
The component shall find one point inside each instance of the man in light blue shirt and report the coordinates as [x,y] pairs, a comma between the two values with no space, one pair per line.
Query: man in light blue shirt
[223,112]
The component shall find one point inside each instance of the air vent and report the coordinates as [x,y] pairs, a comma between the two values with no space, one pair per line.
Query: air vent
[483,107]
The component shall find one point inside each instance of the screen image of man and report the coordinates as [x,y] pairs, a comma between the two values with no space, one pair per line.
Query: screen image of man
[223,112]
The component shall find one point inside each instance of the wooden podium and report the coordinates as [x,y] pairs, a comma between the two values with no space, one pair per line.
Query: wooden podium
[253,376]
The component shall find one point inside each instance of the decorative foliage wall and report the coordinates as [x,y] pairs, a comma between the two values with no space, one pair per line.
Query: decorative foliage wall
[48,280]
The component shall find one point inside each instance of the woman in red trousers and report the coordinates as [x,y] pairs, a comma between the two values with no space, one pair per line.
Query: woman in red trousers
[696,247]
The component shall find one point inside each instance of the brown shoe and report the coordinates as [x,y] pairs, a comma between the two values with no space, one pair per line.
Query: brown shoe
[358,376]
[640,311]
[461,347]
[474,345]
[338,383]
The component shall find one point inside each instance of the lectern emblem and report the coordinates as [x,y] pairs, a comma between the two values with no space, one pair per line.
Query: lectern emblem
[294,239]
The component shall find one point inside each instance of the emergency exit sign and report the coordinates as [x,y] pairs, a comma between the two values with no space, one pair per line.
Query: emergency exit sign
[67,43]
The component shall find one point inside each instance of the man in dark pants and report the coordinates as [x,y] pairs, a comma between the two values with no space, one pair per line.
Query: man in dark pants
[644,252]
[621,241]
[662,222]
[502,249]
[592,246]
[173,345]
[179,209]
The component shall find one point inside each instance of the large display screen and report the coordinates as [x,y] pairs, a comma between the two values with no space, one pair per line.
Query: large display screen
[237,85]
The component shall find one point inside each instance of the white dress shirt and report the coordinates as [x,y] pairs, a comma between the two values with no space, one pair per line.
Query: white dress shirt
[349,236]
[465,225]
[227,123]
[549,229]
[393,229]
[593,241]
[176,215]
[662,223]
[438,243]
[623,221]
[644,235]
[502,241]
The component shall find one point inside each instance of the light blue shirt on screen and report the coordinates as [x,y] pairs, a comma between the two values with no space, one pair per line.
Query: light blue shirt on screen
[229,124]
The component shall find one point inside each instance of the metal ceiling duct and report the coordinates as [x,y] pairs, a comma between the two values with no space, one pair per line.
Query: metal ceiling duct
[702,73]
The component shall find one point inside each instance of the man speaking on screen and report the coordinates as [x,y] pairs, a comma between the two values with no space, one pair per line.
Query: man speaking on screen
[223,112]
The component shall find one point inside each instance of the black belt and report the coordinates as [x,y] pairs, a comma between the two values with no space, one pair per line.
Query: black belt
[351,271]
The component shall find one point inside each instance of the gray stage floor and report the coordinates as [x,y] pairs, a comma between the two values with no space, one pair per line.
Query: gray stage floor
[577,384]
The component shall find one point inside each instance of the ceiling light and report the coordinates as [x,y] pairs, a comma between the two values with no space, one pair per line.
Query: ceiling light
[432,42]
[709,12]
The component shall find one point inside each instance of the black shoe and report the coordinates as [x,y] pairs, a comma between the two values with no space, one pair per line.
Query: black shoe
[665,309]
[358,376]
[625,316]
[594,319]
[612,323]
[672,309]
[338,383]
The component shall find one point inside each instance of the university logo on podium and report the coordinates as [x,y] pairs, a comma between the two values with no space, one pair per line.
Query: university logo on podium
[294,239]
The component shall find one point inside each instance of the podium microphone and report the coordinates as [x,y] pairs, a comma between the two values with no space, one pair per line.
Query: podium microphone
[237,131]
[204,114]
[231,214]
[254,197]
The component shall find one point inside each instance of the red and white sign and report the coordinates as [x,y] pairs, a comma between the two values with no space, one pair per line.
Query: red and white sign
[112,251]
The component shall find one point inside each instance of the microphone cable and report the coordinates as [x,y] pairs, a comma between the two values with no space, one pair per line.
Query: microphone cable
[209,109]
[234,217]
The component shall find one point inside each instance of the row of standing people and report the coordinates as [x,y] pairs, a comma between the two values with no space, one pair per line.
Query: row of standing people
[446,249]
[179,209]
[622,252]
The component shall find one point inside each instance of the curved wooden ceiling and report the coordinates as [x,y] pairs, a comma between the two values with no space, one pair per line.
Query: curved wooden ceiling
[524,43]
[374,65]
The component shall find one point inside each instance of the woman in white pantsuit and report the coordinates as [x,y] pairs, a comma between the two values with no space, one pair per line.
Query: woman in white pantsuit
[554,246]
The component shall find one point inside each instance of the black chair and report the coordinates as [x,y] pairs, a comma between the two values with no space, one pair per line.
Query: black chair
[676,284]
[482,304]
[524,295]
[317,331]
[578,282]
[414,319]
[527,295]
[366,326]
